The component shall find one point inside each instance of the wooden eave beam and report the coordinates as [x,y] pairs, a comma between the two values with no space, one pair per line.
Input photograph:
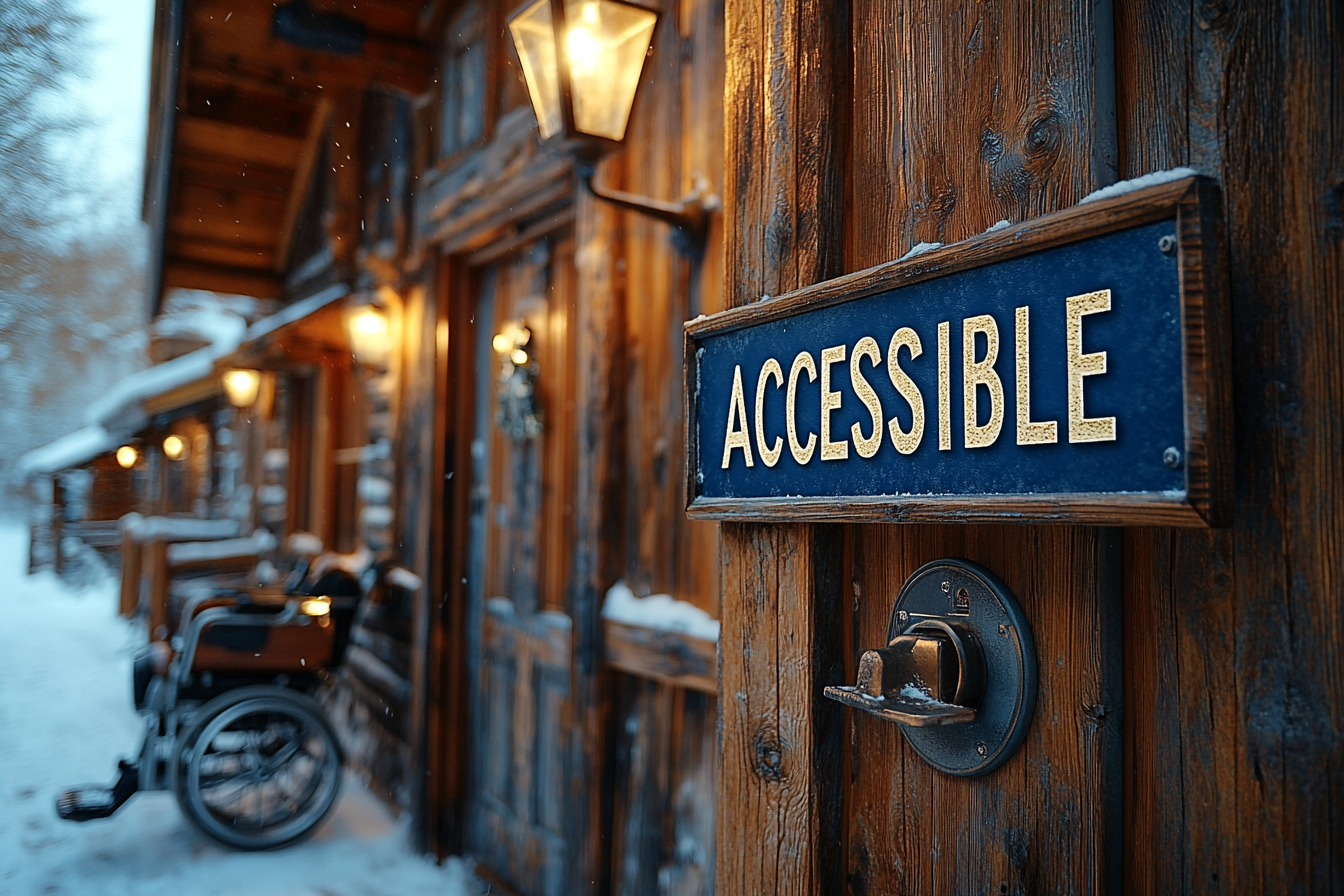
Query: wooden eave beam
[303,175]
[182,274]
[231,141]
[233,174]
[245,44]
[215,252]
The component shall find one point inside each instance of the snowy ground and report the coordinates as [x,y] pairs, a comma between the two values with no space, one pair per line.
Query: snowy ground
[65,717]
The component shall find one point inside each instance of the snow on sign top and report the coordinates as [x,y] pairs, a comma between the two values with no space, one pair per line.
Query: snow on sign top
[70,450]
[128,393]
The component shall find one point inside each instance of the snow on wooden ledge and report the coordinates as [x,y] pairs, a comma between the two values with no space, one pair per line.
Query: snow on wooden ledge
[660,612]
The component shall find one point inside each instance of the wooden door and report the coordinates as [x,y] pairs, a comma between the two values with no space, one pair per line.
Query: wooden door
[520,648]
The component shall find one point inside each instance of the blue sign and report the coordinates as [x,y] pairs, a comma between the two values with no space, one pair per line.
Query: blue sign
[1038,376]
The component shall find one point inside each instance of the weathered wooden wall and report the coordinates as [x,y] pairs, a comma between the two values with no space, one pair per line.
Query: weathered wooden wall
[1233,672]
[1227,685]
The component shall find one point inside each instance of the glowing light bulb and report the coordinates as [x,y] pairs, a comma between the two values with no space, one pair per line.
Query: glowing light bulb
[127,456]
[174,447]
[519,357]
[585,52]
[316,606]
[242,387]
[501,344]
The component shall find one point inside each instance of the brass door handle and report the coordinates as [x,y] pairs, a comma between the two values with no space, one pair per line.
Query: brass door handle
[958,673]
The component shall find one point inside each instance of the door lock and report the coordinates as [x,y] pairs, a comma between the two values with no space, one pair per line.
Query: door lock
[958,673]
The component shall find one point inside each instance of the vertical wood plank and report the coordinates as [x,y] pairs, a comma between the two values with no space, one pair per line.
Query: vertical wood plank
[780,781]
[780,784]
[1235,779]
[598,531]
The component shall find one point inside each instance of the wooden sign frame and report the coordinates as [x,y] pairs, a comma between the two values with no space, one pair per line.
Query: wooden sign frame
[1194,203]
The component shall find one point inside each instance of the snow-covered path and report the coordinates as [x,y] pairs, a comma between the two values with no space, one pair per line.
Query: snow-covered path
[65,717]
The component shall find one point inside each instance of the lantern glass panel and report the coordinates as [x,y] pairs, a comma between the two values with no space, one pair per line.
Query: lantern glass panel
[534,38]
[605,44]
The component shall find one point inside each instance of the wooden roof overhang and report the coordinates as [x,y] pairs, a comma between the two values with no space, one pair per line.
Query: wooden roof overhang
[242,92]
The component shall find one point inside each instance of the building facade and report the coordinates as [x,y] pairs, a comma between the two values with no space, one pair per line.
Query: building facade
[564,704]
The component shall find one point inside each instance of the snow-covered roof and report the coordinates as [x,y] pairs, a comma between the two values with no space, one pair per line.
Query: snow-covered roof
[70,450]
[126,396]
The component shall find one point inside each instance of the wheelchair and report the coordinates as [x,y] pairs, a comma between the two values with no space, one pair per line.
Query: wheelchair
[232,724]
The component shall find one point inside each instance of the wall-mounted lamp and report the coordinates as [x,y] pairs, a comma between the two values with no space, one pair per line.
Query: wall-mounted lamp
[127,456]
[174,448]
[369,333]
[582,60]
[516,388]
[242,387]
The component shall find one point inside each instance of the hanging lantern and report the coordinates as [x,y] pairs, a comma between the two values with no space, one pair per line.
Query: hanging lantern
[369,334]
[242,387]
[582,60]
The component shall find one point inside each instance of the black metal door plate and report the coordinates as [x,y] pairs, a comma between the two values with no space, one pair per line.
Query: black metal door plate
[958,673]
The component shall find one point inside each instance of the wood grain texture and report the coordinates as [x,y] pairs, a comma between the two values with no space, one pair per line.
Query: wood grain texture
[966,114]
[1234,782]
[780,781]
[668,657]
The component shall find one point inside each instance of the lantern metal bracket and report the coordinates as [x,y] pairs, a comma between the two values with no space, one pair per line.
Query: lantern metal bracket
[689,215]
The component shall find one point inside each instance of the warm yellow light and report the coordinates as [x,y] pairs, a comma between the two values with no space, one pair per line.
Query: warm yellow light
[534,36]
[174,447]
[501,343]
[241,387]
[604,47]
[369,333]
[127,456]
[316,606]
[518,357]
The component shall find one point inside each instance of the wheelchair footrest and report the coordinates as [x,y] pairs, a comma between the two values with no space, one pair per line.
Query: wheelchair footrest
[91,801]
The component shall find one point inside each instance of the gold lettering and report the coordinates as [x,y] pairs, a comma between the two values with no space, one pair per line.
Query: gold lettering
[800,453]
[1081,427]
[1044,432]
[906,442]
[737,410]
[770,370]
[866,348]
[944,386]
[830,401]
[980,373]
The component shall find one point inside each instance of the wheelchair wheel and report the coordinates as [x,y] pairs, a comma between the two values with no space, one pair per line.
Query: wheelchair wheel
[259,768]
